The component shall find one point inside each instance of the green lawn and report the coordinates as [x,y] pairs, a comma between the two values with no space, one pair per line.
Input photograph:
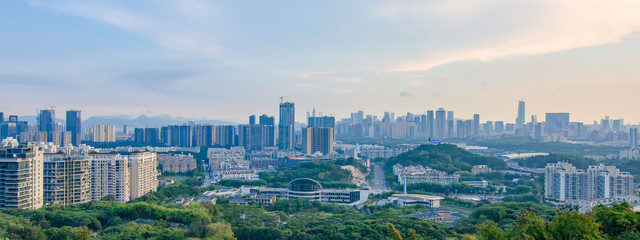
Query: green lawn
[179,178]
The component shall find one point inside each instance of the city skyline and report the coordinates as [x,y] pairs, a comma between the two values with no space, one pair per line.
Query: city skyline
[376,56]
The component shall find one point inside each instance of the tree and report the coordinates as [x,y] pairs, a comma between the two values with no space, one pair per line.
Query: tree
[394,232]
[489,231]
[573,225]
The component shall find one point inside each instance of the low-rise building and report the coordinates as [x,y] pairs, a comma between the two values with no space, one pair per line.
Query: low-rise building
[311,189]
[177,162]
[417,174]
[403,200]
[480,169]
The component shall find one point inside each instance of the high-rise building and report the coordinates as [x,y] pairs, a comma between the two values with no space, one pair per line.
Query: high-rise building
[499,126]
[21,170]
[109,176]
[99,133]
[143,174]
[521,115]
[1,117]
[476,124]
[440,124]
[317,139]
[110,133]
[321,122]
[556,122]
[286,126]
[450,124]
[633,138]
[46,120]
[563,182]
[430,124]
[67,179]
[74,125]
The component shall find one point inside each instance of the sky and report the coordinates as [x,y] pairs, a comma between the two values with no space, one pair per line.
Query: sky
[227,60]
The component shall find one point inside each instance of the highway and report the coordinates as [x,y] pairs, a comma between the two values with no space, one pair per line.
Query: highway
[378,183]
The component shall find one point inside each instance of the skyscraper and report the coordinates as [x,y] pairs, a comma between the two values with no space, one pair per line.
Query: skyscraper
[450,124]
[520,119]
[317,139]
[46,122]
[633,138]
[430,123]
[99,133]
[441,126]
[1,117]
[556,122]
[286,126]
[74,125]
[476,124]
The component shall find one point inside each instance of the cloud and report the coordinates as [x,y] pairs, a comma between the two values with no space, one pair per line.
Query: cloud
[436,94]
[504,28]
[305,85]
[186,25]
[405,94]
[330,76]
[341,90]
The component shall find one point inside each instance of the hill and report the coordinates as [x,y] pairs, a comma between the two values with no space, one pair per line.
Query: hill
[444,157]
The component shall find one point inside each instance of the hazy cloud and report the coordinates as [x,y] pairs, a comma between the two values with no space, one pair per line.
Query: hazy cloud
[405,94]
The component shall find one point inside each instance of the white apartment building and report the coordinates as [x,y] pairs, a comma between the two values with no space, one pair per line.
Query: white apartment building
[566,185]
[109,176]
[416,174]
[143,173]
[110,133]
[99,133]
[21,180]
[67,179]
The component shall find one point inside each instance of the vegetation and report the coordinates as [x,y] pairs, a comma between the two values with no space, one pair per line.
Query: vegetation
[239,183]
[444,157]
[528,144]
[542,161]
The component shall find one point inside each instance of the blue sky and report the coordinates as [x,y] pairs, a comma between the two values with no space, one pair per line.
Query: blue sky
[230,59]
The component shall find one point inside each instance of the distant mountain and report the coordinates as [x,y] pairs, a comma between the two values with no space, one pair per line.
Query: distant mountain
[144,121]
[140,121]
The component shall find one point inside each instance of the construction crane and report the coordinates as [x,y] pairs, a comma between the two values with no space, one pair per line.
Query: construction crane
[282,98]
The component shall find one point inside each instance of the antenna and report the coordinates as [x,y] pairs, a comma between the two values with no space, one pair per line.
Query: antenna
[282,98]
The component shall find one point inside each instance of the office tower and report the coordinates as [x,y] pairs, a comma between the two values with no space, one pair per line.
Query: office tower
[74,125]
[143,174]
[499,126]
[534,119]
[13,118]
[538,130]
[99,133]
[286,126]
[450,124]
[252,119]
[109,176]
[617,125]
[138,135]
[430,124]
[152,136]
[1,117]
[125,129]
[322,122]
[441,126]
[21,170]
[476,124]
[266,120]
[605,124]
[46,120]
[387,117]
[67,179]
[556,122]
[317,139]
[487,127]
[633,138]
[521,115]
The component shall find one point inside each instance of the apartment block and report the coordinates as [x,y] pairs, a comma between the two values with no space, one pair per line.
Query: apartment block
[21,180]
[109,176]
[143,175]
[67,179]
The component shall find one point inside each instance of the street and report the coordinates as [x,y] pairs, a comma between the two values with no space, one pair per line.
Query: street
[378,183]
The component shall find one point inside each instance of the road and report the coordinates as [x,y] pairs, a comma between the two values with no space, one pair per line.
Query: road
[378,183]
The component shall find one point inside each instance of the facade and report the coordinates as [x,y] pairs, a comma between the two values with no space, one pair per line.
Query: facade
[286,129]
[110,133]
[177,163]
[417,174]
[406,200]
[47,120]
[74,125]
[109,176]
[222,158]
[633,138]
[67,179]
[521,115]
[566,185]
[440,124]
[480,169]
[317,139]
[143,175]
[99,133]
[21,180]
[556,122]
[311,189]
